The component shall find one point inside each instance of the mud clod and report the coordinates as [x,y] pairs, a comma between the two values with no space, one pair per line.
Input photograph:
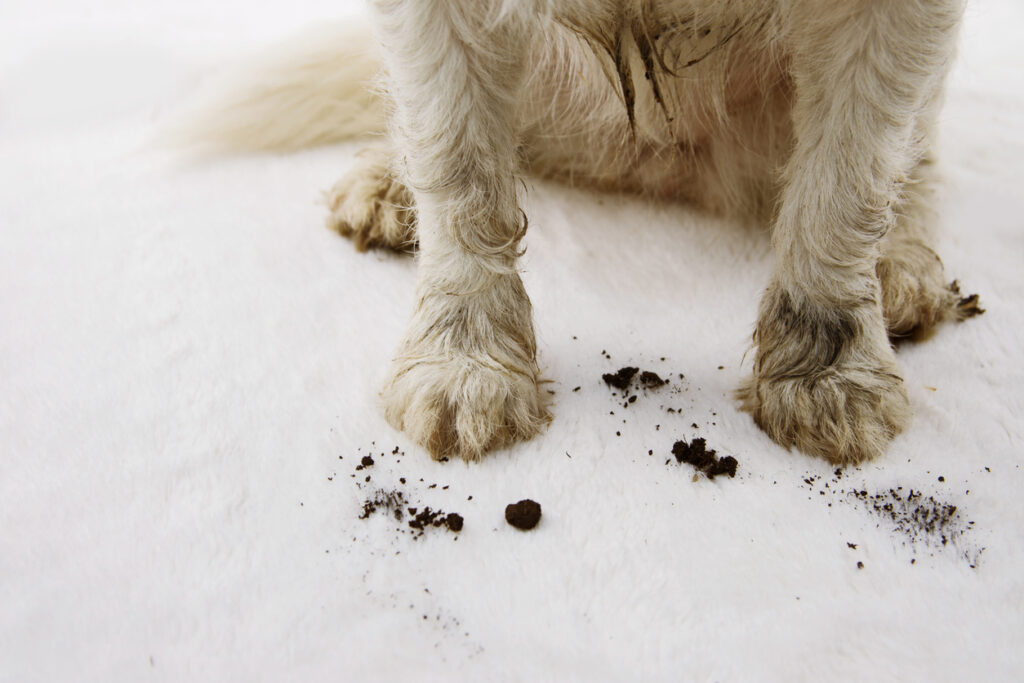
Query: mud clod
[651,379]
[706,460]
[523,515]
[425,518]
[621,379]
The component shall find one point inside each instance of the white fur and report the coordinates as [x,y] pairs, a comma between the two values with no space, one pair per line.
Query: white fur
[315,89]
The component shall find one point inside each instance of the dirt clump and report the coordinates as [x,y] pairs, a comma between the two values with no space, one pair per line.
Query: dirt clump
[523,515]
[621,379]
[651,379]
[426,518]
[706,460]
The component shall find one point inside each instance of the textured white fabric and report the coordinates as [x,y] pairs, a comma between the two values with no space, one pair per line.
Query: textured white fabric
[188,372]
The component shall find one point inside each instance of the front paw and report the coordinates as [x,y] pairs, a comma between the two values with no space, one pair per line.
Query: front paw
[461,406]
[846,416]
[825,382]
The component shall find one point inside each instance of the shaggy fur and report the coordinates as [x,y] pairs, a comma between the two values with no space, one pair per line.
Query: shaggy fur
[815,115]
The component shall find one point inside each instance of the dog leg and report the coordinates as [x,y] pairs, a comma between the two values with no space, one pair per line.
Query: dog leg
[916,296]
[371,206]
[465,379]
[825,377]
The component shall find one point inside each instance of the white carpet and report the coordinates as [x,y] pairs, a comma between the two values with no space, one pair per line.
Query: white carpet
[188,373]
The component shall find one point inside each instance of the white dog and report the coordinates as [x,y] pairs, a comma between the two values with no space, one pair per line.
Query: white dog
[817,115]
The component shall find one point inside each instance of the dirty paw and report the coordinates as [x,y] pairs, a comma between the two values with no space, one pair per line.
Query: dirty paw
[371,207]
[845,417]
[462,407]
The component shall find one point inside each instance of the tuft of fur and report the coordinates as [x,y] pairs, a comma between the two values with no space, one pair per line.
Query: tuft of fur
[316,89]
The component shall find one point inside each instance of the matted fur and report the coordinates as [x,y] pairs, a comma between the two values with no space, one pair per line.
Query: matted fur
[815,115]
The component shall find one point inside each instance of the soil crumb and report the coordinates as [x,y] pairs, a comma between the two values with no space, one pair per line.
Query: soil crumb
[523,515]
[426,518]
[621,379]
[706,460]
[651,379]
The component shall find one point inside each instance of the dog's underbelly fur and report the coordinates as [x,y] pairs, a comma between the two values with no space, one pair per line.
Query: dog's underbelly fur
[714,133]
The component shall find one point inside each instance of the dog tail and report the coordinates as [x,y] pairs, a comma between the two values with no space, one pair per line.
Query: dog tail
[318,88]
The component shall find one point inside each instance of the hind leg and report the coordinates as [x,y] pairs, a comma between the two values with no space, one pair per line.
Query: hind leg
[371,206]
[916,296]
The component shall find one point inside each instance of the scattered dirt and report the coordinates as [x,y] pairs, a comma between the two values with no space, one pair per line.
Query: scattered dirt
[696,453]
[523,515]
[914,515]
[389,501]
[396,503]
[921,521]
[425,518]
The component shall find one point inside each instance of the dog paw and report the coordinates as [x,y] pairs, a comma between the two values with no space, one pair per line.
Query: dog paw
[915,294]
[371,207]
[825,381]
[464,407]
[466,381]
[844,415]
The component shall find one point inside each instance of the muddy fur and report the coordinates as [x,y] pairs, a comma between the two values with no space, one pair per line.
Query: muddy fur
[371,207]
[825,380]
[816,116]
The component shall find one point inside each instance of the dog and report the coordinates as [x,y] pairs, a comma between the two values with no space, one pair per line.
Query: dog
[815,116]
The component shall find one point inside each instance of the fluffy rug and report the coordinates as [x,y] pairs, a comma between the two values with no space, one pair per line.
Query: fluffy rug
[189,365]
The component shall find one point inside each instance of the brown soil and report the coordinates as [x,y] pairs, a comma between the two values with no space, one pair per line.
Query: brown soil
[389,501]
[396,503]
[621,379]
[425,518]
[651,379]
[523,515]
[919,519]
[696,453]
